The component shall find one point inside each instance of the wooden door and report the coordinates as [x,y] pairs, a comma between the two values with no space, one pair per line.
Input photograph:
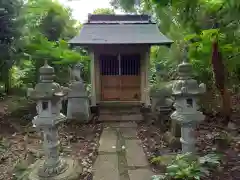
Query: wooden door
[110,79]
[120,78]
[130,78]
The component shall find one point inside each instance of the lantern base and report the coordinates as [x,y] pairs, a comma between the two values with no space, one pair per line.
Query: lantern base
[72,172]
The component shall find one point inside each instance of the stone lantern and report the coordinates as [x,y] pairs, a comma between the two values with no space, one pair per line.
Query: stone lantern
[48,95]
[161,93]
[186,92]
[78,100]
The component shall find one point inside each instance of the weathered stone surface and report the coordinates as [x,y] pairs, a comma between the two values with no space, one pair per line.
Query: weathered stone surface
[111,165]
[171,140]
[129,132]
[48,95]
[120,117]
[109,117]
[120,110]
[121,125]
[132,117]
[106,167]
[72,173]
[127,124]
[108,140]
[78,109]
[134,153]
[140,174]
[78,101]
[186,92]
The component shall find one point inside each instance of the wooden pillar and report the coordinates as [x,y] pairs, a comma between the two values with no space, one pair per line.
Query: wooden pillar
[97,78]
[93,82]
[147,88]
[143,64]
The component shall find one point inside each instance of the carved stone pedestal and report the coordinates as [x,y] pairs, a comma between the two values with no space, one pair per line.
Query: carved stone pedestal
[71,172]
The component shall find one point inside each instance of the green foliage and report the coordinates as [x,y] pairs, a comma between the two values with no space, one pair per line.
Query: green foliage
[58,54]
[11,31]
[200,53]
[197,23]
[103,11]
[21,170]
[127,5]
[188,167]
[57,23]
[16,75]
[34,31]
[38,29]
[48,16]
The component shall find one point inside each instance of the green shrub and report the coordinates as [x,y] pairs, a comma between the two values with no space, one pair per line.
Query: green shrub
[188,167]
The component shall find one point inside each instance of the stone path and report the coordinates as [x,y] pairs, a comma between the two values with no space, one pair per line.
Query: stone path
[121,156]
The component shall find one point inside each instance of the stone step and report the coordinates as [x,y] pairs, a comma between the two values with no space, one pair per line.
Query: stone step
[119,110]
[120,104]
[118,113]
[118,117]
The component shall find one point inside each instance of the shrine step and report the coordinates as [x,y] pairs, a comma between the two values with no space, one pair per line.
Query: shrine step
[120,112]
[120,117]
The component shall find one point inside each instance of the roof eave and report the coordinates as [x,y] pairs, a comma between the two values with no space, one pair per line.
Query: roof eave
[151,44]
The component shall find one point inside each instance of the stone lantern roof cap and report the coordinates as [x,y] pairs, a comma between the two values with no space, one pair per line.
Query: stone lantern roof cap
[186,85]
[46,69]
[47,89]
[184,70]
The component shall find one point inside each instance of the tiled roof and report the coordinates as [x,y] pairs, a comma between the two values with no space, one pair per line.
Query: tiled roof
[120,34]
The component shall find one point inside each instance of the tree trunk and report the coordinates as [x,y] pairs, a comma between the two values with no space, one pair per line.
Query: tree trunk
[226,105]
[219,75]
[6,78]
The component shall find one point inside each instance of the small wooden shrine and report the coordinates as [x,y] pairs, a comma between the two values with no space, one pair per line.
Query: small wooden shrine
[119,46]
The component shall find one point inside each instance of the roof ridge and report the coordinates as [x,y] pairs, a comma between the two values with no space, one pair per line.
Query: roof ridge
[119,17]
[118,23]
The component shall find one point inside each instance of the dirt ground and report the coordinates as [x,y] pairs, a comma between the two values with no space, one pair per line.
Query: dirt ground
[154,145]
[20,144]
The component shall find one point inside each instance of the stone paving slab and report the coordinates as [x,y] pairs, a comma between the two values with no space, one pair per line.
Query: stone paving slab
[132,117]
[134,153]
[106,167]
[108,141]
[109,117]
[127,163]
[140,174]
[128,133]
[121,125]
